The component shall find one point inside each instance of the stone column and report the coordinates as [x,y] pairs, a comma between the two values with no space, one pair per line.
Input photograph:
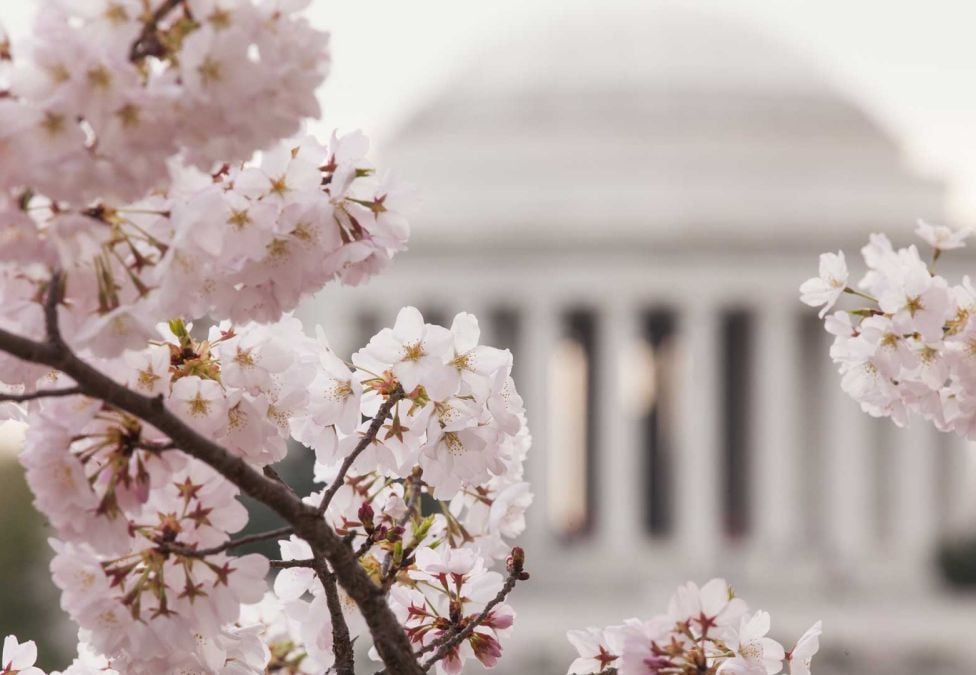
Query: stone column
[620,474]
[849,482]
[961,497]
[914,504]
[540,326]
[775,499]
[698,460]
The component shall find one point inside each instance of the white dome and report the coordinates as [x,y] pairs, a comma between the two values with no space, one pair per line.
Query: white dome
[662,126]
[657,47]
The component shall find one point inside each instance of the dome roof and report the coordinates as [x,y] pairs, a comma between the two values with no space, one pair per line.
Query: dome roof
[657,47]
[662,126]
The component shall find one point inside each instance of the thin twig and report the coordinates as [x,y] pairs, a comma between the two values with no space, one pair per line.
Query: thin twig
[365,546]
[341,644]
[148,42]
[515,574]
[40,393]
[233,543]
[414,483]
[156,447]
[364,442]
[51,302]
[435,643]
[288,564]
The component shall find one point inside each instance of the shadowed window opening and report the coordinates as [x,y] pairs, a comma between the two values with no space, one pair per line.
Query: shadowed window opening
[737,340]
[657,423]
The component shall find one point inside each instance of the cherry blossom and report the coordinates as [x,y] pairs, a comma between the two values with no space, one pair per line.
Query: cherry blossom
[903,350]
[940,237]
[598,649]
[826,289]
[754,652]
[18,657]
[419,354]
[803,652]
[704,627]
[291,584]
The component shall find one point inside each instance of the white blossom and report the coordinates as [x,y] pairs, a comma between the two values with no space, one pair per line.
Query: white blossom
[826,288]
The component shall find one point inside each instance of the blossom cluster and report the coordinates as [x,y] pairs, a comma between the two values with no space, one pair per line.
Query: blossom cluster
[130,515]
[133,159]
[455,440]
[142,528]
[705,630]
[908,347]
[142,191]
[105,93]
[247,242]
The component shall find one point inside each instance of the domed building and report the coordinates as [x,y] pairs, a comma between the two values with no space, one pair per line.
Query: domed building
[630,202]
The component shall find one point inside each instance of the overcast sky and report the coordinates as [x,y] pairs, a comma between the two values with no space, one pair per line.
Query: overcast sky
[911,64]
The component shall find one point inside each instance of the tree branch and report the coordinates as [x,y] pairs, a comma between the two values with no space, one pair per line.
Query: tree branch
[414,483]
[270,472]
[55,291]
[341,644]
[391,641]
[233,543]
[40,393]
[156,447]
[364,442]
[148,42]
[365,546]
[287,564]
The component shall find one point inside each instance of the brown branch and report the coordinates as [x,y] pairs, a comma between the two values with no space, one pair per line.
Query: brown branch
[156,447]
[40,393]
[364,442]
[233,543]
[287,564]
[269,471]
[435,643]
[148,42]
[341,644]
[55,291]
[365,546]
[415,484]
[516,573]
[391,642]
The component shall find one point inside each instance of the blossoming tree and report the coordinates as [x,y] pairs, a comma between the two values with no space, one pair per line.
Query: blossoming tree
[908,349]
[160,219]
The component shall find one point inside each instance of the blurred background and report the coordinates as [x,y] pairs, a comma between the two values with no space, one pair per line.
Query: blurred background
[628,195]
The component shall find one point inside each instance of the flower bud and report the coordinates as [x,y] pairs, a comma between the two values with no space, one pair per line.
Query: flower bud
[516,561]
[366,517]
